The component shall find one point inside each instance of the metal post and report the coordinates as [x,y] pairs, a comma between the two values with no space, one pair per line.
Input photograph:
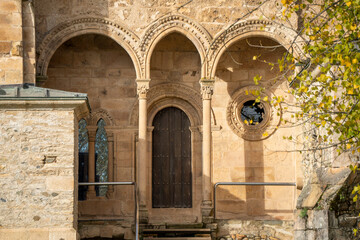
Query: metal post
[136,215]
[248,184]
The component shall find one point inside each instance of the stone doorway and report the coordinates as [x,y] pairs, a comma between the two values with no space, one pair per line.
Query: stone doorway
[171,160]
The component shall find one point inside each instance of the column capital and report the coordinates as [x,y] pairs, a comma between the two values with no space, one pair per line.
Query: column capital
[142,87]
[91,133]
[207,88]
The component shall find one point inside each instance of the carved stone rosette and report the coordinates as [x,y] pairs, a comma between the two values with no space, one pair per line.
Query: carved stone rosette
[261,131]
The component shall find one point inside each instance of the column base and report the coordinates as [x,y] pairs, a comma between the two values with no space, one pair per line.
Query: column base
[143,215]
[91,194]
[207,212]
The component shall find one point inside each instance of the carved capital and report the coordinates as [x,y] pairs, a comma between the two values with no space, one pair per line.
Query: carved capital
[207,89]
[142,87]
[91,133]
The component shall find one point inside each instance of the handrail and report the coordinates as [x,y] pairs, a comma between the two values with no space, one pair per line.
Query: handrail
[135,198]
[248,184]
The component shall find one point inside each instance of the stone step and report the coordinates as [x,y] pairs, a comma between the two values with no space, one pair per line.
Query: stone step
[184,230]
[177,238]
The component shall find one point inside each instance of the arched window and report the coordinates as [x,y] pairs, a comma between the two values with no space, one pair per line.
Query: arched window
[101,158]
[83,158]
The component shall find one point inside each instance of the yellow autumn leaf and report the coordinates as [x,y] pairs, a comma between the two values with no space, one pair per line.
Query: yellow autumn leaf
[254,57]
[323,122]
[266,98]
[321,105]
[246,122]
[251,121]
[348,3]
[338,27]
[348,146]
[354,61]
[265,134]
[350,91]
[358,150]
[353,27]
[356,86]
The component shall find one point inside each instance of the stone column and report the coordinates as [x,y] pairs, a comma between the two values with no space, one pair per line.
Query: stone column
[92,134]
[142,89]
[207,87]
[110,138]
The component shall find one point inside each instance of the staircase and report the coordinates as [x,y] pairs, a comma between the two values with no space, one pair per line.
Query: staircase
[177,232]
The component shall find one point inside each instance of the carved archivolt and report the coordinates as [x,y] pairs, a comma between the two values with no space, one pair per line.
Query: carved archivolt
[265,128]
[86,25]
[98,114]
[171,94]
[250,28]
[198,35]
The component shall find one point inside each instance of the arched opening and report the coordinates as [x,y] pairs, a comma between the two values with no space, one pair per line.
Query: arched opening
[246,154]
[171,160]
[99,66]
[83,159]
[175,59]
[101,158]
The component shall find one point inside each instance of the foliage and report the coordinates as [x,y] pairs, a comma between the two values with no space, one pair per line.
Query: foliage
[303,213]
[327,80]
[327,83]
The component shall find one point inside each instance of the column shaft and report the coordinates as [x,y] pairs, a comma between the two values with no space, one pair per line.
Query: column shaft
[111,161]
[206,145]
[91,192]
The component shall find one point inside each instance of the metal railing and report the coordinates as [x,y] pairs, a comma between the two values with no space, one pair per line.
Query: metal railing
[248,184]
[136,212]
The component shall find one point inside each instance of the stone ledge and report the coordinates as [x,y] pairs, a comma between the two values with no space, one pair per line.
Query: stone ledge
[39,234]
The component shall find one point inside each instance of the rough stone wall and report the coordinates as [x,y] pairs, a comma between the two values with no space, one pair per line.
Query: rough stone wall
[214,15]
[11,61]
[37,174]
[344,212]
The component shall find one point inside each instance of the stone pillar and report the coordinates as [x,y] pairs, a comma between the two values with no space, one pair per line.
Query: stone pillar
[92,134]
[110,138]
[29,55]
[207,87]
[142,89]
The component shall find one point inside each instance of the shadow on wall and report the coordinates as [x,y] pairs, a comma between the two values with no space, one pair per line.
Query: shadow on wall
[236,70]
[253,202]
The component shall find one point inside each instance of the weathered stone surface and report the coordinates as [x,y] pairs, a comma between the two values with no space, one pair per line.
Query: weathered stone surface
[309,196]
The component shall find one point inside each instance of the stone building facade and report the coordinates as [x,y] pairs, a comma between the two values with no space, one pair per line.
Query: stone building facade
[142,64]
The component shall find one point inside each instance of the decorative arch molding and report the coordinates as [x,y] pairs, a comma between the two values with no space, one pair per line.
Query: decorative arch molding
[252,28]
[87,25]
[197,34]
[98,114]
[171,94]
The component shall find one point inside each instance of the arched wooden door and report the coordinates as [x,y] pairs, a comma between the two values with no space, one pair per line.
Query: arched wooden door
[171,160]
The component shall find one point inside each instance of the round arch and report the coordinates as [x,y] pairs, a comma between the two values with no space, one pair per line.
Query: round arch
[171,94]
[89,25]
[180,24]
[252,28]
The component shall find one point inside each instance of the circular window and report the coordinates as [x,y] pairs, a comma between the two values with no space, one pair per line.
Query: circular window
[252,112]
[250,118]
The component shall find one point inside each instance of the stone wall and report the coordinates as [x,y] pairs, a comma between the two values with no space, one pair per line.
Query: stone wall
[11,37]
[38,170]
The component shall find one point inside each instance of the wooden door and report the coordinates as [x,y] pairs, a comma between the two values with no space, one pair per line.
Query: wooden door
[171,160]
